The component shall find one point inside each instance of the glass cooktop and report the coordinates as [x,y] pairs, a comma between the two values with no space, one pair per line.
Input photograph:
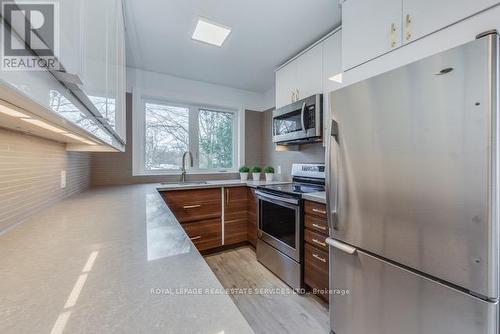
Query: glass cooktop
[294,188]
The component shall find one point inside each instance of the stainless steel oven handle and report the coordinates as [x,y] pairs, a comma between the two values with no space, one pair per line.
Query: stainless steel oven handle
[302,114]
[266,196]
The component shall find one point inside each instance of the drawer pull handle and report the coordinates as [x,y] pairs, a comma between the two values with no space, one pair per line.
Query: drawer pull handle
[316,241]
[195,238]
[322,259]
[191,206]
[319,227]
[319,211]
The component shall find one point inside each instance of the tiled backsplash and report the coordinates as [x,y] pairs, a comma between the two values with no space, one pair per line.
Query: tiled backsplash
[30,175]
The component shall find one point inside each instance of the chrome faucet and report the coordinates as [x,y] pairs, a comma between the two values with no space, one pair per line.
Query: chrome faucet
[183,168]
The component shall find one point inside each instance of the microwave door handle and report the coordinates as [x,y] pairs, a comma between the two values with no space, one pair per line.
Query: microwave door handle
[302,114]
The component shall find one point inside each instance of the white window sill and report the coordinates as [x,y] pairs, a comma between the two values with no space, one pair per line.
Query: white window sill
[188,172]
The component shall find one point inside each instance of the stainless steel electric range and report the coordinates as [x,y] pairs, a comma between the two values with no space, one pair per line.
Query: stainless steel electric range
[280,219]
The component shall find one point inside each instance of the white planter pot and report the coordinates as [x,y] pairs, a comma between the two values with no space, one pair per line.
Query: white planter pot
[256,176]
[269,176]
[244,176]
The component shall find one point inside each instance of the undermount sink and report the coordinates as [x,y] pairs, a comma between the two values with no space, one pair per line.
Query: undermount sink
[183,183]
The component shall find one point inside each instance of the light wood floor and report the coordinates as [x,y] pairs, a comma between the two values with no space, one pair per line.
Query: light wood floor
[267,313]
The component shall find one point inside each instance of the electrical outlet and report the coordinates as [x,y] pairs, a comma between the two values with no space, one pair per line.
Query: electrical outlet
[278,170]
[63,179]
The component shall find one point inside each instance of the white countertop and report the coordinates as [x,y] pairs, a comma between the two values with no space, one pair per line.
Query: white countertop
[319,197]
[216,184]
[102,262]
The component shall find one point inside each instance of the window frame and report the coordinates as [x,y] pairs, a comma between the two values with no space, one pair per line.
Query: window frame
[139,138]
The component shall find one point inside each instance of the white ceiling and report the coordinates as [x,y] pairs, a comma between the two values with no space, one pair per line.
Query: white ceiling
[265,33]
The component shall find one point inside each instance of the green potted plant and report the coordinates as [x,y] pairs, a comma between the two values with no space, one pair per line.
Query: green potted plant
[244,173]
[256,173]
[269,173]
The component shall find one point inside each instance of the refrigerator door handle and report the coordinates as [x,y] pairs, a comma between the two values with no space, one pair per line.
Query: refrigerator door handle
[332,176]
[341,246]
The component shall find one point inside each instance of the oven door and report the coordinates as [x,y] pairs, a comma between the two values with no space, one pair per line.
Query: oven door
[279,223]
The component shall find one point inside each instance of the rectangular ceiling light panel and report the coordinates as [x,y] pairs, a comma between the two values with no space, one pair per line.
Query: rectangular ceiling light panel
[210,32]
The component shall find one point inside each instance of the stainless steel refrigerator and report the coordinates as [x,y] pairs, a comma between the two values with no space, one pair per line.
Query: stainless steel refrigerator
[413,192]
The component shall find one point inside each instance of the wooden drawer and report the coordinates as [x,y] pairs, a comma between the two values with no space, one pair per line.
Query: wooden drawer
[318,225]
[205,234]
[194,205]
[315,239]
[315,209]
[316,269]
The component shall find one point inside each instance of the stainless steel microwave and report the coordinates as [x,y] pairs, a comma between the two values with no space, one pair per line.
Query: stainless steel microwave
[299,122]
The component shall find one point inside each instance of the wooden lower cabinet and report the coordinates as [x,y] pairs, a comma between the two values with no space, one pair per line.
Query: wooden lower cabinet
[316,249]
[194,204]
[200,213]
[205,234]
[235,215]
[316,270]
[252,217]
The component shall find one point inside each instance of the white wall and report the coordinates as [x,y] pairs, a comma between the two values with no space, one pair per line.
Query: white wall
[452,36]
[157,85]
[145,84]
[269,98]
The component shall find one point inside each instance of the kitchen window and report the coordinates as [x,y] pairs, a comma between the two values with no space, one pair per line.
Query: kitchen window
[170,129]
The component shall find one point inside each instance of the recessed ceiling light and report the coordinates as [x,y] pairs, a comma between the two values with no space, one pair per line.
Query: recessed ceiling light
[210,32]
[12,112]
[336,78]
[44,125]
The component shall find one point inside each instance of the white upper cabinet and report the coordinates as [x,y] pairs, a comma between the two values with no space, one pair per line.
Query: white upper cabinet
[370,28]
[332,73]
[301,77]
[70,54]
[332,62]
[92,49]
[423,17]
[95,47]
[310,72]
[286,78]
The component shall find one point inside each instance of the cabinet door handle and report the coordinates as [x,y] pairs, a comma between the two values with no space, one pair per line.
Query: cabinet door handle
[323,228]
[393,35]
[408,22]
[191,206]
[322,259]
[316,241]
[323,212]
[198,237]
